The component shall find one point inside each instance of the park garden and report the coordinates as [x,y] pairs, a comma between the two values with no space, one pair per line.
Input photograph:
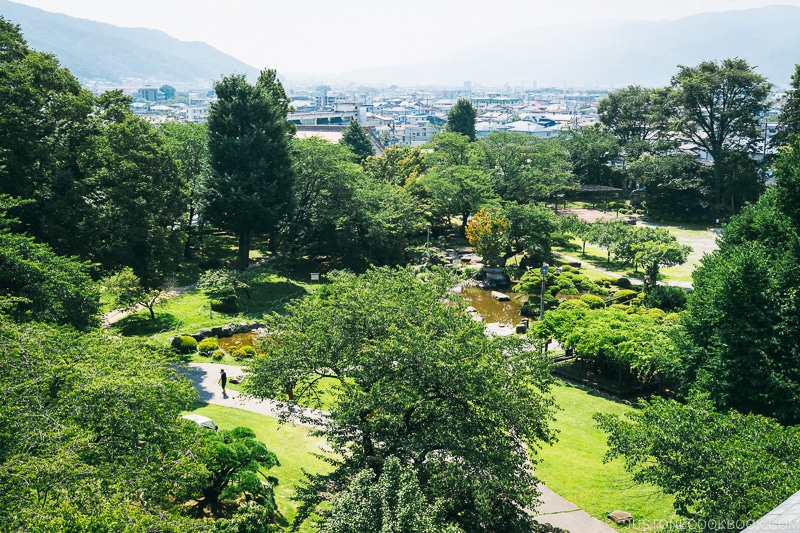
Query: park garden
[678,406]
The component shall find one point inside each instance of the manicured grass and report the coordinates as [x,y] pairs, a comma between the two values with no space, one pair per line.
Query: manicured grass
[190,311]
[296,448]
[701,238]
[573,467]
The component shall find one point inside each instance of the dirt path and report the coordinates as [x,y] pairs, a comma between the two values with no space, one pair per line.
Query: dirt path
[118,314]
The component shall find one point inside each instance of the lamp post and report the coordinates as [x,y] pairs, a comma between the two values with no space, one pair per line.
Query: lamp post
[543,271]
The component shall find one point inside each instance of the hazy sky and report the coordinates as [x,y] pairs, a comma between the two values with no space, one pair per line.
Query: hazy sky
[330,36]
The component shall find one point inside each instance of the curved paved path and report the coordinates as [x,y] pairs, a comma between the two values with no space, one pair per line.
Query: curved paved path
[206,375]
[554,509]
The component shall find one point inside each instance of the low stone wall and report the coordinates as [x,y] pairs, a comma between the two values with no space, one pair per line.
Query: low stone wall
[225,331]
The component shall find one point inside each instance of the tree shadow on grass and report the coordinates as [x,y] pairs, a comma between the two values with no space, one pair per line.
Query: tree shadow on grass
[141,324]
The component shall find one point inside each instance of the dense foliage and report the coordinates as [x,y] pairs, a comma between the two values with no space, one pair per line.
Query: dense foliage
[419,380]
[725,469]
[250,187]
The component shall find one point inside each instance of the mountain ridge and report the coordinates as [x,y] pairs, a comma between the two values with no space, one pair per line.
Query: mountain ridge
[605,55]
[104,53]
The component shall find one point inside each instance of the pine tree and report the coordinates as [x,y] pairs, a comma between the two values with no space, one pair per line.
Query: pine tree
[461,118]
[356,138]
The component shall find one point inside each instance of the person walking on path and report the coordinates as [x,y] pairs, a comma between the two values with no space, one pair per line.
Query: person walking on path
[223,380]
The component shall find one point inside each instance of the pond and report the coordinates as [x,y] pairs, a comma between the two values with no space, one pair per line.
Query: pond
[493,310]
[237,340]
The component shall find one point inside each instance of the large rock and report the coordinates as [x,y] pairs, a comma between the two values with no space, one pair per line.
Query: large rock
[495,276]
[501,297]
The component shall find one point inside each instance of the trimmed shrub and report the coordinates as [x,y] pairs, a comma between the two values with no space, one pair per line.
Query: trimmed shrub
[238,353]
[249,351]
[623,296]
[560,240]
[573,304]
[568,268]
[594,302]
[224,305]
[621,307]
[184,344]
[624,283]
[207,346]
[217,355]
[667,298]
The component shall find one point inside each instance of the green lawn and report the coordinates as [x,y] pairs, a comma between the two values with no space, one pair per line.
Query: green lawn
[702,240]
[295,447]
[574,468]
[190,311]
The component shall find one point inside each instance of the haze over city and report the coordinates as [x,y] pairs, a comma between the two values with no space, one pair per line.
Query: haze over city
[320,37]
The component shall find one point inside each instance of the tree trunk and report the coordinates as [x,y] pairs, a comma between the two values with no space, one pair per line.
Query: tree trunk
[243,260]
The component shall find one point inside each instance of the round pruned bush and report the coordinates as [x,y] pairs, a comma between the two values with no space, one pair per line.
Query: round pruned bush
[573,304]
[238,353]
[624,283]
[667,298]
[225,305]
[594,302]
[249,351]
[218,355]
[207,346]
[624,295]
[184,344]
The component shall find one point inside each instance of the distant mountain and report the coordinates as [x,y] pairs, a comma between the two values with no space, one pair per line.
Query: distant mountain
[614,54]
[97,52]
[605,54]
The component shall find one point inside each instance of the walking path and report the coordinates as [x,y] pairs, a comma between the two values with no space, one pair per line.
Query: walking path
[554,509]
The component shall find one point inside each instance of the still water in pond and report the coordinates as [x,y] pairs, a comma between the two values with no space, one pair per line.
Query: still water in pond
[492,310]
[236,341]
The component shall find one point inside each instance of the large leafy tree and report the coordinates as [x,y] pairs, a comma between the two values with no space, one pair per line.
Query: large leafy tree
[675,186]
[397,164]
[527,169]
[250,187]
[37,284]
[593,152]
[379,222]
[455,191]
[461,118]
[42,124]
[325,186]
[717,105]
[188,143]
[530,228]
[723,468]
[129,165]
[355,137]
[91,432]
[418,379]
[629,114]
[743,316]
[395,503]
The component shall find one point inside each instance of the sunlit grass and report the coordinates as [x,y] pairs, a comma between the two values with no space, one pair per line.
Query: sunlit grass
[296,448]
[573,467]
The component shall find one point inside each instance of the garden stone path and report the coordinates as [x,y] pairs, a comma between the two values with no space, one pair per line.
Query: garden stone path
[554,509]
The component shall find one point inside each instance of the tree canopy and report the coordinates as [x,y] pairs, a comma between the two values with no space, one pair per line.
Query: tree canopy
[717,105]
[419,380]
[461,118]
[250,187]
[356,138]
